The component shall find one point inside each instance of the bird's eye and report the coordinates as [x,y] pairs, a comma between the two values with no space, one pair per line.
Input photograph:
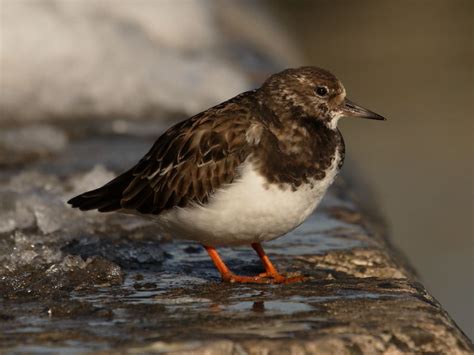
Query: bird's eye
[322,91]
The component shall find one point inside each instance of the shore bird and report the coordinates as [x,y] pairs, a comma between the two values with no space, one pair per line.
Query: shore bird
[243,172]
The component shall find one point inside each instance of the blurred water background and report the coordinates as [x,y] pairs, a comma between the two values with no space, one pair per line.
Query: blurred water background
[411,61]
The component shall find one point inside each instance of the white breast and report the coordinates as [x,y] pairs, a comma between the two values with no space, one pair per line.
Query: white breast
[247,211]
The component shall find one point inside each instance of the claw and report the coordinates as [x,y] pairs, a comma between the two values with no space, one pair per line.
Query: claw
[262,278]
[270,276]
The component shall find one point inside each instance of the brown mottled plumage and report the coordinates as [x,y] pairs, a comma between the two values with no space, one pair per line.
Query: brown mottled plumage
[286,130]
[186,164]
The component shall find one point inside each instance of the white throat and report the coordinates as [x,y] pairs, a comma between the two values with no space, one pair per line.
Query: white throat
[335,117]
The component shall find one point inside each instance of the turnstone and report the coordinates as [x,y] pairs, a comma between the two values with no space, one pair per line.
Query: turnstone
[243,172]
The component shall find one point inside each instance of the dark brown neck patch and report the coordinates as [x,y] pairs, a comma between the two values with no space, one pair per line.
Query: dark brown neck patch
[297,151]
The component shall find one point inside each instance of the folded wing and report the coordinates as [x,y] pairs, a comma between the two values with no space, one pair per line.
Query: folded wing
[185,165]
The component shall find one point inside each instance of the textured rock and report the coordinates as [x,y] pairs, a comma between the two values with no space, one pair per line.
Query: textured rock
[151,295]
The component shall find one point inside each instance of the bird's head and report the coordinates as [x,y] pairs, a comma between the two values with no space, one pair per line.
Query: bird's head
[311,92]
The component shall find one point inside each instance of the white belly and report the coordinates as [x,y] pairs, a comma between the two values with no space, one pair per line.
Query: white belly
[247,211]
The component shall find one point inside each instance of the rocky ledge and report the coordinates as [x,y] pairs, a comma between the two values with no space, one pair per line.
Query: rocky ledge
[72,281]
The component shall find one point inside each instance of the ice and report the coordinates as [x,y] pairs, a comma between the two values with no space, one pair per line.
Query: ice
[38,228]
[49,216]
[8,222]
[68,263]
[97,177]
[58,280]
[31,181]
[92,270]
[32,200]
[182,66]
[15,211]
[40,139]
[20,249]
[20,144]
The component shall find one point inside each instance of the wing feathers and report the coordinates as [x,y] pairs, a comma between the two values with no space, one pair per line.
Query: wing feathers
[105,198]
[186,164]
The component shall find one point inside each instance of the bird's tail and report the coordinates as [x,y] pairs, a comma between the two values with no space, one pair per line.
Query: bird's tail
[106,198]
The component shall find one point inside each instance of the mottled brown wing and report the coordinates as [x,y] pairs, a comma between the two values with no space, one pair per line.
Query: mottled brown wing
[190,161]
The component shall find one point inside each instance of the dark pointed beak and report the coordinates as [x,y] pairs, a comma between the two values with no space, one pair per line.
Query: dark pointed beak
[351,109]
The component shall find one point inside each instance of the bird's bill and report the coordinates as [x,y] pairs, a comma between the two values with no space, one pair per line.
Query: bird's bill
[351,109]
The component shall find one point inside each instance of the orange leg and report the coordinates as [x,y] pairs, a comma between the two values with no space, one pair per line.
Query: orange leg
[270,270]
[270,276]
[228,275]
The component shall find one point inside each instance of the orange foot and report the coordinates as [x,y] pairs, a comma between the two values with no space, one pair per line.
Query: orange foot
[263,278]
[271,276]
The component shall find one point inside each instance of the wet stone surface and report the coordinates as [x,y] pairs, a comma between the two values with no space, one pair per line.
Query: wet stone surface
[76,282]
